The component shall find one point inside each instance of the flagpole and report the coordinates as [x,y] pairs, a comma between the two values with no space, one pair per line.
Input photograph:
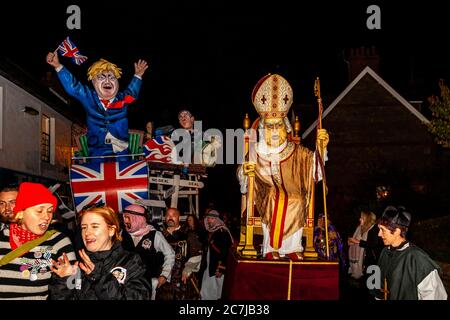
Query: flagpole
[57,48]
[321,152]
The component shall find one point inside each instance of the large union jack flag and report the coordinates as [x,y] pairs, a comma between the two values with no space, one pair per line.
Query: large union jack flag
[117,184]
[160,149]
[68,49]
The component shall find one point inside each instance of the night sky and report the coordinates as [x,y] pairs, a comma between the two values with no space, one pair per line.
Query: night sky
[208,55]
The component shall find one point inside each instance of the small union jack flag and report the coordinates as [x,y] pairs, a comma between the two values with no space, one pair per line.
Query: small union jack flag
[117,184]
[68,49]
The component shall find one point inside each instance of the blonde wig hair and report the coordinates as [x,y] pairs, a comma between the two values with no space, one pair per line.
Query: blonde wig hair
[103,65]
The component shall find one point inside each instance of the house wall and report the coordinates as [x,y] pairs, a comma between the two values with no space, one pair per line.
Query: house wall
[377,131]
[20,148]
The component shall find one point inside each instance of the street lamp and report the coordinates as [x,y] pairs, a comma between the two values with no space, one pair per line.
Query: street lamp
[30,110]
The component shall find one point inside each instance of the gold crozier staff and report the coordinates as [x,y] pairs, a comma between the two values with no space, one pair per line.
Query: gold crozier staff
[320,161]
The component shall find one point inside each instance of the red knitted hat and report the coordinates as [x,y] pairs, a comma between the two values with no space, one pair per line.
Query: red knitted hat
[31,194]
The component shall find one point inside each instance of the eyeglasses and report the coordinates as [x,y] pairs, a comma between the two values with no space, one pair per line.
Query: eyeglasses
[103,76]
[10,203]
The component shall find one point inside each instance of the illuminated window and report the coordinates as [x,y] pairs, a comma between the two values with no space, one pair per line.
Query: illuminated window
[45,138]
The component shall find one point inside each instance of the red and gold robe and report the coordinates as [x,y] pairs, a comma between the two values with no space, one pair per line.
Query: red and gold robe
[282,190]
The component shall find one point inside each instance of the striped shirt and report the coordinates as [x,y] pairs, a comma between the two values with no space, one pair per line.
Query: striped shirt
[28,277]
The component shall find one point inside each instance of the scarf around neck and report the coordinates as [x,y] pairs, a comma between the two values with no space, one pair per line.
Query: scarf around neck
[216,225]
[19,236]
[139,225]
[356,253]
[141,232]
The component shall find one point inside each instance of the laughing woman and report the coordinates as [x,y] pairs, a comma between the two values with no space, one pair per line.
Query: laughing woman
[108,271]
[27,247]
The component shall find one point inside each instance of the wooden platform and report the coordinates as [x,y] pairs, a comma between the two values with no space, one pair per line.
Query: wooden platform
[192,168]
[260,279]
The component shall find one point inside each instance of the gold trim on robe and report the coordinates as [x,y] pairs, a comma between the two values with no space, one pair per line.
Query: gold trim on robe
[282,190]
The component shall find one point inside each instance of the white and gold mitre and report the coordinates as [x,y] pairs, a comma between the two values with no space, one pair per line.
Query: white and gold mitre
[272,96]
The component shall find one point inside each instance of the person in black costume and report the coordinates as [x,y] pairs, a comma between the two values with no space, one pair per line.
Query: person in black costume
[107,270]
[183,284]
[407,272]
[219,242]
[157,255]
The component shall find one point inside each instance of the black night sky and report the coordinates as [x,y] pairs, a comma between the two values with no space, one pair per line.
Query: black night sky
[208,55]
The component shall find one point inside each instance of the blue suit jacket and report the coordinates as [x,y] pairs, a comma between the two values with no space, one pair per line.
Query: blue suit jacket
[99,120]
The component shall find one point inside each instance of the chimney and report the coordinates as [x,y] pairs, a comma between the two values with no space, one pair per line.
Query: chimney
[359,58]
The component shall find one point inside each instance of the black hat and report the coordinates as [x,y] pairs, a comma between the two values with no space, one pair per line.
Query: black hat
[396,216]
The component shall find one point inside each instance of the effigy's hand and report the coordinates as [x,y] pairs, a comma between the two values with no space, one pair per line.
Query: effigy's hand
[322,136]
[249,167]
[52,59]
[140,67]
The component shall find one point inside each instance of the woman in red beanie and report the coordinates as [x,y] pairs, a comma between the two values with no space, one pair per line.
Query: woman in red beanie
[108,271]
[27,247]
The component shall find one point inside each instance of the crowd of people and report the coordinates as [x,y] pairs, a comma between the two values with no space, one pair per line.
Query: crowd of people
[406,271]
[111,256]
[124,256]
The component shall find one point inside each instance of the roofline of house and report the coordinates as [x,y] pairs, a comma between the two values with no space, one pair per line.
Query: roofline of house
[33,87]
[384,84]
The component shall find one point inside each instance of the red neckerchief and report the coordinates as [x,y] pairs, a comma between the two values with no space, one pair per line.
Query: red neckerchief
[19,236]
[117,104]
